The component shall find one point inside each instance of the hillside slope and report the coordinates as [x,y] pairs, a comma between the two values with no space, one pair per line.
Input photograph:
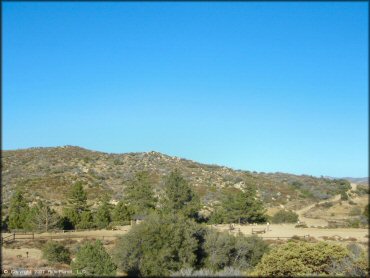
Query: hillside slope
[48,173]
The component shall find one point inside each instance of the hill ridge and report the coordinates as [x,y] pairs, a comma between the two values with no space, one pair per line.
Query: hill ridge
[43,171]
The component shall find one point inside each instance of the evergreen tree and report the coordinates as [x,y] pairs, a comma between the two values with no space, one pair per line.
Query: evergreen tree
[93,259]
[86,220]
[103,216]
[121,213]
[18,211]
[239,207]
[139,194]
[71,216]
[78,197]
[55,252]
[179,196]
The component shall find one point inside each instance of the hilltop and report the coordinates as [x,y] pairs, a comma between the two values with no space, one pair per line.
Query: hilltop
[47,173]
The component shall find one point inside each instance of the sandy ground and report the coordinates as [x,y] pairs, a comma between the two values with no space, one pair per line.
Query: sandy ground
[288,230]
[275,230]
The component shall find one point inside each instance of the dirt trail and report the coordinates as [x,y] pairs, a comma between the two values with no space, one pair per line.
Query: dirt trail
[319,222]
[313,221]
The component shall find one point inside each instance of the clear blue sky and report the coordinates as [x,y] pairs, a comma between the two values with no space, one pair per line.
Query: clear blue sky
[254,86]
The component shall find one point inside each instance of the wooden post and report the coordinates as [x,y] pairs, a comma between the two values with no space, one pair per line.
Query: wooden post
[33,236]
[13,236]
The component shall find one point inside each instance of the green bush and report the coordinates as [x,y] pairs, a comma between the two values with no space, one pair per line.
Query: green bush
[225,250]
[159,245]
[284,216]
[344,196]
[300,258]
[92,259]
[54,252]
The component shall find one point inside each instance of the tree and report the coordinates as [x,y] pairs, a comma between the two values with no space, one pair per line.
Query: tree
[71,216]
[86,220]
[159,245]
[93,259]
[78,197]
[55,252]
[102,216]
[300,258]
[239,206]
[139,194]
[121,213]
[18,211]
[179,196]
[43,217]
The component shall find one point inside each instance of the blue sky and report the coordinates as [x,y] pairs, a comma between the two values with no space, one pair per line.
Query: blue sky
[253,86]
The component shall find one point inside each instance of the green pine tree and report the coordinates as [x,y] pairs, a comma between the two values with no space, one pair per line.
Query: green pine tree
[179,197]
[86,220]
[78,197]
[139,195]
[93,259]
[77,203]
[121,213]
[239,206]
[18,211]
[103,215]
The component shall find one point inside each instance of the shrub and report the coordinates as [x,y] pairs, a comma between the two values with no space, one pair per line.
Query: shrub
[159,245]
[300,258]
[284,216]
[327,204]
[92,259]
[224,250]
[356,264]
[354,223]
[55,252]
[355,211]
[366,211]
[344,196]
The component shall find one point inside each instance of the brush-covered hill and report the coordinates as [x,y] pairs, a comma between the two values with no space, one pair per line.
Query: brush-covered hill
[48,173]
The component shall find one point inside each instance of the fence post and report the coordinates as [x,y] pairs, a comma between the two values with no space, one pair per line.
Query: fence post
[33,236]
[13,236]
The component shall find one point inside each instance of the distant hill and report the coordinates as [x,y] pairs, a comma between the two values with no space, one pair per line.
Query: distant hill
[358,180]
[48,173]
